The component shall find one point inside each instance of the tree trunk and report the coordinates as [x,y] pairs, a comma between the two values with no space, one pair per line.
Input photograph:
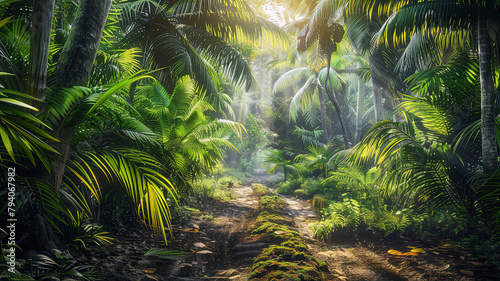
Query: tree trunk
[360,110]
[333,99]
[41,26]
[324,125]
[378,90]
[76,62]
[489,141]
[81,48]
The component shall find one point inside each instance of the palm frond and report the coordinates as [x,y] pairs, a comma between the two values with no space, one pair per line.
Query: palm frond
[142,178]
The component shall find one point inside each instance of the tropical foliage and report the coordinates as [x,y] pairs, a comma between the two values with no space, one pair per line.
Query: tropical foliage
[384,113]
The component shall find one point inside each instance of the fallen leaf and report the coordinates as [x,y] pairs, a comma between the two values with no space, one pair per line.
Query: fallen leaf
[467,272]
[152,277]
[476,263]
[410,254]
[399,253]
[418,250]
[192,230]
[395,252]
[204,252]
[200,245]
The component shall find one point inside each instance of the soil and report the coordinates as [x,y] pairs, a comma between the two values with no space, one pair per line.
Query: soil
[218,250]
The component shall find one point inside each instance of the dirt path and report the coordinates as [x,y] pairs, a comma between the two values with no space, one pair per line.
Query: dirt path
[345,262]
[218,250]
[357,262]
[219,253]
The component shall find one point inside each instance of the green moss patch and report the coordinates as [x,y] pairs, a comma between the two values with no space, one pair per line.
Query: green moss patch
[268,217]
[260,190]
[272,204]
[287,258]
[270,232]
[295,243]
[274,270]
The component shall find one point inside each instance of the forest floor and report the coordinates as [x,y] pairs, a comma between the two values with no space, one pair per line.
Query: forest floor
[218,250]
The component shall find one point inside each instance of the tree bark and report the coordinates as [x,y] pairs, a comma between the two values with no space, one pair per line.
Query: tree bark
[378,90]
[488,136]
[75,64]
[41,26]
[333,99]
[360,110]
[80,50]
[322,112]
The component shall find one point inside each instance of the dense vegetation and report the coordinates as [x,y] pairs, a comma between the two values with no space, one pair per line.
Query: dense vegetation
[383,113]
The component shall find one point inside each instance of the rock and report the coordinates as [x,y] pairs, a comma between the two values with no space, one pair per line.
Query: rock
[323,267]
[251,253]
[249,246]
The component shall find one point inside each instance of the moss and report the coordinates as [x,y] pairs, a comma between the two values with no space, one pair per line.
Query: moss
[287,258]
[277,253]
[275,270]
[323,266]
[272,204]
[295,243]
[260,190]
[274,233]
[267,217]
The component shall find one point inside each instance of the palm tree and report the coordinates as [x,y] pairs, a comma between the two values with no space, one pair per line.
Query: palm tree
[303,95]
[194,38]
[75,64]
[448,21]
[41,26]
[318,158]
[190,142]
[277,160]
[327,32]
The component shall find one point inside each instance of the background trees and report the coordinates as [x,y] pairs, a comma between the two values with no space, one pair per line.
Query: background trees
[104,124]
[137,97]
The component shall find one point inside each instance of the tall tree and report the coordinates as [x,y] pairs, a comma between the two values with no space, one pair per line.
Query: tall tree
[488,134]
[450,22]
[75,64]
[359,109]
[41,26]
